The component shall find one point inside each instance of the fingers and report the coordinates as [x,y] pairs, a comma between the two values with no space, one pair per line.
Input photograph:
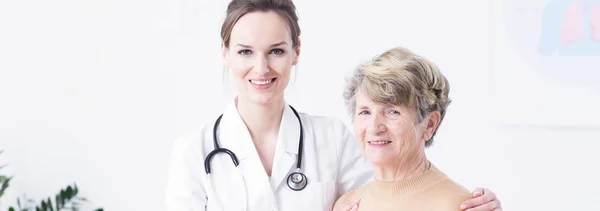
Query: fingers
[483,199]
[490,206]
[488,196]
[350,205]
[477,192]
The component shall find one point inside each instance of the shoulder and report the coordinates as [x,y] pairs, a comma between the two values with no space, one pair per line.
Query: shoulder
[195,137]
[193,143]
[185,186]
[327,128]
[330,132]
[448,194]
[324,123]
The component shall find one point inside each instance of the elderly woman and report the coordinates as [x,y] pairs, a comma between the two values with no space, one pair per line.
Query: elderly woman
[397,101]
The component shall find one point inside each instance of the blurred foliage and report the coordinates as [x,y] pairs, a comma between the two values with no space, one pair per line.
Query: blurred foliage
[65,199]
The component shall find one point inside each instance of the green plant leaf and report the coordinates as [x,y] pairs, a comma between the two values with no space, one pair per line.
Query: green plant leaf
[58,201]
[50,204]
[3,178]
[11,209]
[44,205]
[69,191]
[62,198]
[5,185]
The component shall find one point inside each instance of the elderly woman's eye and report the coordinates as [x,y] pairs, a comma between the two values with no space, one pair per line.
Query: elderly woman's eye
[363,112]
[394,112]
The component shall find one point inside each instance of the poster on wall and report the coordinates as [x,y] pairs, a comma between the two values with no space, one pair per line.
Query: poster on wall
[545,58]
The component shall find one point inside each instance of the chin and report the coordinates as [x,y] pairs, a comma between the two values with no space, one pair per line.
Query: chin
[378,160]
[263,98]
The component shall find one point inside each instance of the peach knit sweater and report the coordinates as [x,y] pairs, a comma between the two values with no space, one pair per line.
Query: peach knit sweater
[431,191]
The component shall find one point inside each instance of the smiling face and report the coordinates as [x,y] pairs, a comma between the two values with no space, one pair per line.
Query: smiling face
[260,55]
[388,134]
[397,102]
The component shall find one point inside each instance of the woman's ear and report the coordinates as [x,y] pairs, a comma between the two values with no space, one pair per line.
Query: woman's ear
[224,51]
[431,123]
[297,50]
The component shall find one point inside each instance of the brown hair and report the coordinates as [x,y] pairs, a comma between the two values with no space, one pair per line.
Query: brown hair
[401,77]
[238,8]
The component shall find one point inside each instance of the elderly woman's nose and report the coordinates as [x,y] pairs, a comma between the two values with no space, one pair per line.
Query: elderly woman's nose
[377,125]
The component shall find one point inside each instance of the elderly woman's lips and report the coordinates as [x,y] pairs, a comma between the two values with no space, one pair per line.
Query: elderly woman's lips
[379,142]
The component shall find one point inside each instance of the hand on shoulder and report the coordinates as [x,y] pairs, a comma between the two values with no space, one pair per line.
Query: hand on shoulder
[347,205]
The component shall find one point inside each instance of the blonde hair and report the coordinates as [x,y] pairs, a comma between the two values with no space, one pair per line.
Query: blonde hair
[402,78]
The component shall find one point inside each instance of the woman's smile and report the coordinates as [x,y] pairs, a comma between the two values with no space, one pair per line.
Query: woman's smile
[379,143]
[262,83]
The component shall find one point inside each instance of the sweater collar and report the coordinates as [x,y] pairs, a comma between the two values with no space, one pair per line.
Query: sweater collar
[408,187]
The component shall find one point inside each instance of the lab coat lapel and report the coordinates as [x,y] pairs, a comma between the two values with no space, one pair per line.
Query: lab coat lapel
[238,140]
[287,148]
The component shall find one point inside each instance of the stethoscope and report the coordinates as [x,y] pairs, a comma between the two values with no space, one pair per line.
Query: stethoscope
[295,181]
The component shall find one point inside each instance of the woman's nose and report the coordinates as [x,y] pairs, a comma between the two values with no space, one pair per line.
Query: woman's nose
[261,64]
[377,125]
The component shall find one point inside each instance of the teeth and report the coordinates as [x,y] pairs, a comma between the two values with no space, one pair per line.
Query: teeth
[260,82]
[379,142]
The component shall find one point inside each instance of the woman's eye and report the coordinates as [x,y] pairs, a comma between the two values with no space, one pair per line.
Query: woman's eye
[363,112]
[244,52]
[277,51]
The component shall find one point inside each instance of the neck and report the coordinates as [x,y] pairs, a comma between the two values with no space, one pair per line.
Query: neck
[262,120]
[405,169]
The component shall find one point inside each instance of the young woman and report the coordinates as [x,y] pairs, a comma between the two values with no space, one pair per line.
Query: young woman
[260,153]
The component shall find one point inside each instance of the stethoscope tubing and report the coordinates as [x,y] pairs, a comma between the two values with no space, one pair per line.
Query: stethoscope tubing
[296,181]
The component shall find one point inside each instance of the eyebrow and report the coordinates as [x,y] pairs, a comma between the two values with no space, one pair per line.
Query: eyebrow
[279,43]
[273,45]
[385,106]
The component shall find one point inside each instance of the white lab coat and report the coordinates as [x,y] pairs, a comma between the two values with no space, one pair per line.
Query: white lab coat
[331,161]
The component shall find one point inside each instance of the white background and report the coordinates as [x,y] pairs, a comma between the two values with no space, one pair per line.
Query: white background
[95,92]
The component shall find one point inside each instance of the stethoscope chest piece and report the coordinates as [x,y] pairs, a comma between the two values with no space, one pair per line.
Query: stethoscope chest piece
[297,181]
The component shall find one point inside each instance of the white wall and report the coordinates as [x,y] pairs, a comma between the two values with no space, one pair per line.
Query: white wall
[95,92]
